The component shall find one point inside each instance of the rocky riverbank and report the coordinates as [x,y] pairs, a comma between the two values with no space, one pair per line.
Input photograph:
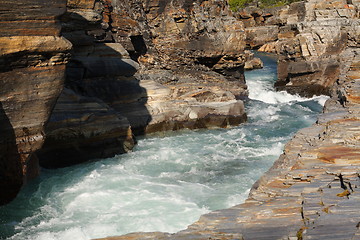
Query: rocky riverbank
[311,190]
[308,36]
[140,66]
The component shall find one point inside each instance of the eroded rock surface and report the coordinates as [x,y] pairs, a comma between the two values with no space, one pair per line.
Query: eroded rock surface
[32,67]
[252,62]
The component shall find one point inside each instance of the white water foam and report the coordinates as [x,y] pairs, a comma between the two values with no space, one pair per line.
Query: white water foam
[258,90]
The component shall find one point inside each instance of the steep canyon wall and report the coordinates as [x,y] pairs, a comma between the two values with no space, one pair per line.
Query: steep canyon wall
[32,70]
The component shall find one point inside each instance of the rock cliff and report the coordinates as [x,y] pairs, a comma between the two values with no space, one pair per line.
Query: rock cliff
[142,67]
[309,37]
[32,67]
[83,126]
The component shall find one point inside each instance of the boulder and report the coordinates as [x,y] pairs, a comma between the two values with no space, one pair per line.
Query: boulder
[252,62]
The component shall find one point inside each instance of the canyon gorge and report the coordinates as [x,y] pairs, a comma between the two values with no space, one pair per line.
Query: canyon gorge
[81,79]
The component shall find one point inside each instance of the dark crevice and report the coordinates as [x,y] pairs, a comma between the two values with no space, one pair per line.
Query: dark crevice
[11,177]
[139,45]
[208,61]
[342,183]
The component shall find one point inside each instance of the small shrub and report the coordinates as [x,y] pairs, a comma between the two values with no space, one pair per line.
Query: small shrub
[237,4]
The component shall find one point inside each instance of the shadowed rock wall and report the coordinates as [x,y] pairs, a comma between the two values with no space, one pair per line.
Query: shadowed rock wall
[32,69]
[83,126]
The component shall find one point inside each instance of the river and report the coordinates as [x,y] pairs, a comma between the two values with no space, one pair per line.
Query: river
[169,180]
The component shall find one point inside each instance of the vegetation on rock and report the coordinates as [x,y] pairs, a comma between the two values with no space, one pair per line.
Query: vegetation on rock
[237,4]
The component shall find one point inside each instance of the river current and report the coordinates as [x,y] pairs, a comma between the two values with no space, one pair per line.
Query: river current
[169,180]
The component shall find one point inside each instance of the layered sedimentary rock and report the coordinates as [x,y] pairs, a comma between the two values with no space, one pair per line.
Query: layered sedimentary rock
[179,33]
[32,67]
[309,36]
[196,59]
[83,128]
[159,65]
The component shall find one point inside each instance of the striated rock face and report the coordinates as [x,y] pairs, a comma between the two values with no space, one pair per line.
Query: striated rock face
[143,67]
[191,99]
[83,128]
[32,67]
[309,37]
[82,125]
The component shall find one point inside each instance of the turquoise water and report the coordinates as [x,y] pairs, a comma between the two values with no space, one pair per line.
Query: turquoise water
[168,181]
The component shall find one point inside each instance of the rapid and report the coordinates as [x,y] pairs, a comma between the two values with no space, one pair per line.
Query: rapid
[169,180]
